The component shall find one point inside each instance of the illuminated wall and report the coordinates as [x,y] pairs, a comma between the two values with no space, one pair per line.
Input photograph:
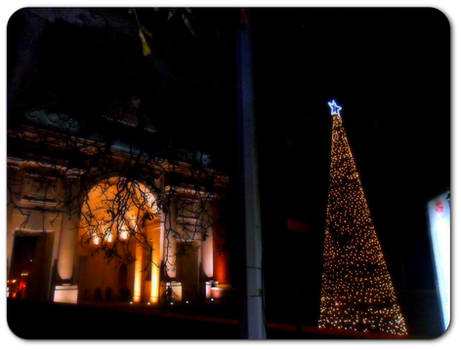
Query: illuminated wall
[145,280]
[439,220]
[70,268]
[97,228]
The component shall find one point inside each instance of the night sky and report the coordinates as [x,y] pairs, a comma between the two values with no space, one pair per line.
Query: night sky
[388,68]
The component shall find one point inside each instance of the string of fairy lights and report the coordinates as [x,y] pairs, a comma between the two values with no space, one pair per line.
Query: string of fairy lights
[357,291]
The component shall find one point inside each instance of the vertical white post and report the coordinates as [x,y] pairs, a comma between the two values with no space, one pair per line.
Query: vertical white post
[255,320]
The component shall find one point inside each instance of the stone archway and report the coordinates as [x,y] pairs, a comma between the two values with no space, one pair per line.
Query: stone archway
[120,225]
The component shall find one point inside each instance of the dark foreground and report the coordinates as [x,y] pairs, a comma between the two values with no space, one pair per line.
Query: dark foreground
[32,320]
[123,321]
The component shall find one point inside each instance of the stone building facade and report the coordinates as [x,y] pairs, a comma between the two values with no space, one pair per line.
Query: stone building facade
[47,202]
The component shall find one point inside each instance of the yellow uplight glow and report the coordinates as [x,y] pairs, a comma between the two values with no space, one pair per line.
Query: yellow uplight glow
[155,277]
[137,274]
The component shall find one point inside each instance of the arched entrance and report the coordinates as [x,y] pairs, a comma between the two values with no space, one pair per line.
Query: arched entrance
[120,243]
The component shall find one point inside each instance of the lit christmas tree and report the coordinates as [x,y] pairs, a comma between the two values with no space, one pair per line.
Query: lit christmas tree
[357,291]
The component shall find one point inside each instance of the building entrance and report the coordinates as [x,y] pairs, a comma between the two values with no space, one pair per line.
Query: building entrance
[30,265]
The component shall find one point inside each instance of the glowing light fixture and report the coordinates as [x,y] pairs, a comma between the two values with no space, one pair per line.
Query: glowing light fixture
[439,220]
[123,233]
[335,108]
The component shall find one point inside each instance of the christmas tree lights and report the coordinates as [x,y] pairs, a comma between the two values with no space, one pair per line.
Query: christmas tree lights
[357,291]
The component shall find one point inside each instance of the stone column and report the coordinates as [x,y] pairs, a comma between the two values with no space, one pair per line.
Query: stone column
[169,247]
[207,251]
[220,249]
[67,248]
[155,233]
[65,289]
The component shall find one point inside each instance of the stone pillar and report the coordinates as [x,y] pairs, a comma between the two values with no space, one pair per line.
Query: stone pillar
[207,251]
[155,235]
[67,249]
[220,249]
[138,267]
[65,289]
[169,247]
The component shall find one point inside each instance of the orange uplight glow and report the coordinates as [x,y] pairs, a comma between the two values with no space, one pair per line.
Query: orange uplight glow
[102,223]
[96,217]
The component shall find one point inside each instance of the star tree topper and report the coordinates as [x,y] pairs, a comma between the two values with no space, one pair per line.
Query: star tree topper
[335,108]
